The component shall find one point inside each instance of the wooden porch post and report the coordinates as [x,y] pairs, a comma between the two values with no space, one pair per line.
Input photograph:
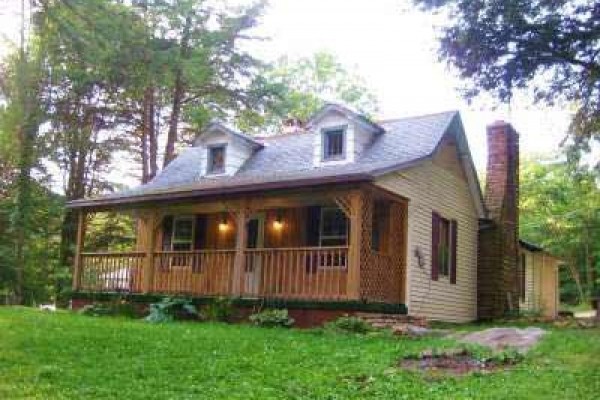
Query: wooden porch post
[150,221]
[240,247]
[77,265]
[356,217]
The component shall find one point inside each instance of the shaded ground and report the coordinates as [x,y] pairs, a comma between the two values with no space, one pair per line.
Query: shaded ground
[66,356]
[521,339]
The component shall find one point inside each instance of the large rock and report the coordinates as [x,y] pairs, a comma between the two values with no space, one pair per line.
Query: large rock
[503,338]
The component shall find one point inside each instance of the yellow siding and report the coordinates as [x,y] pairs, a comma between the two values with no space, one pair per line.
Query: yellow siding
[432,186]
[541,284]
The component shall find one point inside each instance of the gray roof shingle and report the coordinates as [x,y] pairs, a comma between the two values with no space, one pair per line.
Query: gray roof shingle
[290,157]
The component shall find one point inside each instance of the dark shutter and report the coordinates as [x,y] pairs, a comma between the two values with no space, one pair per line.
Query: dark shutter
[435,242]
[200,232]
[199,242]
[167,232]
[313,222]
[453,236]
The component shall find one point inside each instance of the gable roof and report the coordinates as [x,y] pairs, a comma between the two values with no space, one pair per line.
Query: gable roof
[286,161]
[217,126]
[348,113]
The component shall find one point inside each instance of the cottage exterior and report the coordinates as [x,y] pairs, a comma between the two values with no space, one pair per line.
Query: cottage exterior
[342,210]
[539,281]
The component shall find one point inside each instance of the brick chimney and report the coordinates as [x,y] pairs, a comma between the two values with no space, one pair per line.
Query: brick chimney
[498,237]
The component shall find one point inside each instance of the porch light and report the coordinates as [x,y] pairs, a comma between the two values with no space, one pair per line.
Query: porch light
[224,224]
[278,222]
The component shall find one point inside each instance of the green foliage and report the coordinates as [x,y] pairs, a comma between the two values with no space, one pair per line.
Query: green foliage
[560,210]
[550,46]
[350,324]
[64,355]
[304,85]
[219,309]
[272,318]
[170,309]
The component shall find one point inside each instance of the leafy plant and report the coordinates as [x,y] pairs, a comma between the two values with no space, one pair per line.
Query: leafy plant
[272,318]
[113,308]
[220,309]
[350,324]
[170,309]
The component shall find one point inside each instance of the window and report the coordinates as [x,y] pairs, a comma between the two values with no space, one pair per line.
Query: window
[522,277]
[216,159]
[444,234]
[444,248]
[183,233]
[334,227]
[334,144]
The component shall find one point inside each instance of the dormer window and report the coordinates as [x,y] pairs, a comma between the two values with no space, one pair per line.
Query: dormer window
[334,144]
[216,159]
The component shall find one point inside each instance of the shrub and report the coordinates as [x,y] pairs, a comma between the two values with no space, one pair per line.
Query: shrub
[350,324]
[114,308]
[220,309]
[272,318]
[170,309]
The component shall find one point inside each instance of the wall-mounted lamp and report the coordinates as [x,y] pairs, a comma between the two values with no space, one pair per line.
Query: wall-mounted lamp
[224,224]
[278,222]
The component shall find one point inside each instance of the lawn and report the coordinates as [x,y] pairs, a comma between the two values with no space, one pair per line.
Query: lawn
[68,356]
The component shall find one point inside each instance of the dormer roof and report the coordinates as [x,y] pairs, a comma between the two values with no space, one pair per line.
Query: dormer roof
[218,126]
[351,115]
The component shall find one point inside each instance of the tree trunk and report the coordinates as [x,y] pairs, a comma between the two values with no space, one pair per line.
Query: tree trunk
[178,93]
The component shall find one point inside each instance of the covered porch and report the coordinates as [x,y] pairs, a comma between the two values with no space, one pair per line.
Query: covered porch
[321,244]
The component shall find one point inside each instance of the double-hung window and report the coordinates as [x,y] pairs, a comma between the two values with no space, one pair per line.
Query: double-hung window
[334,144]
[444,253]
[182,239]
[334,227]
[216,159]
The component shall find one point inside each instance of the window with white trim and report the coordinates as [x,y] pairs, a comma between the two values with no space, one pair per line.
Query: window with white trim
[334,227]
[445,253]
[183,233]
[216,159]
[334,144]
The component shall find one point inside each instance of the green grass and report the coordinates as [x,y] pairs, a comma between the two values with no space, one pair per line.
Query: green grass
[68,356]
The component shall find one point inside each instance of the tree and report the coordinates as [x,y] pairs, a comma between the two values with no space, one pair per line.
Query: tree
[305,84]
[552,46]
[560,209]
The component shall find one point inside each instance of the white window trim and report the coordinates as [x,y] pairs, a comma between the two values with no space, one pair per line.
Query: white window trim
[209,158]
[324,132]
[325,237]
[191,241]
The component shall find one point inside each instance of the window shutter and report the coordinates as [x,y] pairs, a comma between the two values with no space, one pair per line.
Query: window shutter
[454,237]
[200,232]
[313,222]
[167,232]
[435,242]
[312,225]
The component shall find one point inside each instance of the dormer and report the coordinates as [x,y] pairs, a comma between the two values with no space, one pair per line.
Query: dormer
[223,151]
[340,135]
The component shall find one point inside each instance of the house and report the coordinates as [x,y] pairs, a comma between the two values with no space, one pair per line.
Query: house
[539,280]
[343,214]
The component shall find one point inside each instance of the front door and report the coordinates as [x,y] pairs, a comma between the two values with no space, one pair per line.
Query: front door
[255,229]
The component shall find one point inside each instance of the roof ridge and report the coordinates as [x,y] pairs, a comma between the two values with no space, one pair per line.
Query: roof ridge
[386,120]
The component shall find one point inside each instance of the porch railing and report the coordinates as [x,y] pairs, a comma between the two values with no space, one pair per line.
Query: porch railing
[298,273]
[111,272]
[302,273]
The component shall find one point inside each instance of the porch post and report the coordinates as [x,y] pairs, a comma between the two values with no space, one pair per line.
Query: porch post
[77,264]
[240,246]
[149,245]
[356,217]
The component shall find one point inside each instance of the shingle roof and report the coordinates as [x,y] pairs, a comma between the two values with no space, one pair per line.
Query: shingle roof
[289,158]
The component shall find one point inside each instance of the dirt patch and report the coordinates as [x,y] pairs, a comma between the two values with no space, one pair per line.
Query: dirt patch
[455,362]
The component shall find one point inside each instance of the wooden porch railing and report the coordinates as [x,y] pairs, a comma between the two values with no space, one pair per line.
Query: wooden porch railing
[296,273]
[111,272]
[207,272]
